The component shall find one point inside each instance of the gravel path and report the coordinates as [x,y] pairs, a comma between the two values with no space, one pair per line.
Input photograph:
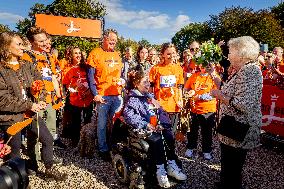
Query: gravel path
[264,169]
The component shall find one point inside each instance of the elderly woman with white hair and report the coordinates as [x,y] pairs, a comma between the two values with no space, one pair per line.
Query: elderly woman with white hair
[240,109]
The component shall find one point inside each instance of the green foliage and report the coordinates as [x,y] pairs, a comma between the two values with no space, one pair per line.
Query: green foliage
[192,32]
[236,22]
[123,43]
[144,42]
[232,22]
[4,28]
[208,53]
[263,25]
[267,29]
[278,11]
[90,9]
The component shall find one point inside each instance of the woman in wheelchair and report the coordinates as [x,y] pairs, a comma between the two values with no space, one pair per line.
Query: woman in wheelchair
[140,112]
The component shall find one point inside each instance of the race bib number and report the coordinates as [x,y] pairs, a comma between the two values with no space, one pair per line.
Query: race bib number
[168,81]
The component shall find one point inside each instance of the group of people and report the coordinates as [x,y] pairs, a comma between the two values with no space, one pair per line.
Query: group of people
[152,84]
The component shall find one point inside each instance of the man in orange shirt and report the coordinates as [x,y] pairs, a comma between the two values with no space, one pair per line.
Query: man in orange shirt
[203,108]
[104,79]
[46,66]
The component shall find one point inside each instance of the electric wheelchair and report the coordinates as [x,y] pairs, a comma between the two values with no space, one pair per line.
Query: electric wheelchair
[130,157]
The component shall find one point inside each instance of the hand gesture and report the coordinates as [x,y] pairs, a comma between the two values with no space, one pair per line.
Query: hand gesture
[5,150]
[99,98]
[42,105]
[151,127]
[36,108]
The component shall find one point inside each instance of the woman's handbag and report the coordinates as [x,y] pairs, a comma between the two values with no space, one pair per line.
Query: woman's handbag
[233,129]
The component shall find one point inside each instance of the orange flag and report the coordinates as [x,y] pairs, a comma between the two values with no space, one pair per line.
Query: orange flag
[17,127]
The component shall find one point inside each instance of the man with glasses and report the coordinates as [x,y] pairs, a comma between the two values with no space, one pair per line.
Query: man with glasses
[105,84]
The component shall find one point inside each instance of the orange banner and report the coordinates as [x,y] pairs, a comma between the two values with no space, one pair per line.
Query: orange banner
[69,26]
[272,107]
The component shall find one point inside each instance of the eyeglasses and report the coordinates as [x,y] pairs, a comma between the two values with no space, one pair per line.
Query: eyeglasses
[194,49]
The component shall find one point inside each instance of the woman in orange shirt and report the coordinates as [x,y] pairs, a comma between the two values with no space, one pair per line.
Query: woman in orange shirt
[167,81]
[79,97]
[203,111]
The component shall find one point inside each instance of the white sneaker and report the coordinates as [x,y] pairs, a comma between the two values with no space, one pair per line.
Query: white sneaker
[175,171]
[162,177]
[207,156]
[189,153]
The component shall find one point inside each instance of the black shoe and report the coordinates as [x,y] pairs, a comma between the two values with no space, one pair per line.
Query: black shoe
[57,160]
[31,172]
[58,144]
[54,173]
[32,167]
[105,156]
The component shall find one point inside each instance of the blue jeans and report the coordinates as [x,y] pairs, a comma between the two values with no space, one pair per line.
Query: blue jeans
[106,111]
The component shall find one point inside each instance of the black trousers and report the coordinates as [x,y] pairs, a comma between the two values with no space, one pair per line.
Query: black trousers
[45,138]
[157,146]
[207,123]
[32,133]
[72,121]
[232,161]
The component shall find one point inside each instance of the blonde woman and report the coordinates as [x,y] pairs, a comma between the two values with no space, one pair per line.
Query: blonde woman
[240,98]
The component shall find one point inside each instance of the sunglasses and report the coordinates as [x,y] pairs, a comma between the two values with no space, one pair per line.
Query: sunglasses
[194,49]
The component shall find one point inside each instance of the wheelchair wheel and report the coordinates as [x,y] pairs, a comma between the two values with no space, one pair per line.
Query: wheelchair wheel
[121,168]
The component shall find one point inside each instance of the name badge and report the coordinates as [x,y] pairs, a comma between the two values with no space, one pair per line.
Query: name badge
[168,81]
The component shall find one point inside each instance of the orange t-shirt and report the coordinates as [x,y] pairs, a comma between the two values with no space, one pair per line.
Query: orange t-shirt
[108,68]
[46,68]
[80,94]
[166,79]
[201,85]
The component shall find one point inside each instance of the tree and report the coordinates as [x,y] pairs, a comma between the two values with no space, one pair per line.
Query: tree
[144,42]
[267,29]
[278,11]
[235,22]
[123,43]
[4,28]
[90,9]
[192,32]
[232,22]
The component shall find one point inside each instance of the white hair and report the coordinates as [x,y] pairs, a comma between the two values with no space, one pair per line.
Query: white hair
[247,47]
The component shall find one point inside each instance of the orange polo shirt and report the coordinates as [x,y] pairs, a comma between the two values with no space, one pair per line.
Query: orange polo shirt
[201,85]
[166,79]
[108,67]
[46,68]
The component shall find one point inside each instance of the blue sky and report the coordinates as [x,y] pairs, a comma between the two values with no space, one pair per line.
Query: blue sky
[154,20]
